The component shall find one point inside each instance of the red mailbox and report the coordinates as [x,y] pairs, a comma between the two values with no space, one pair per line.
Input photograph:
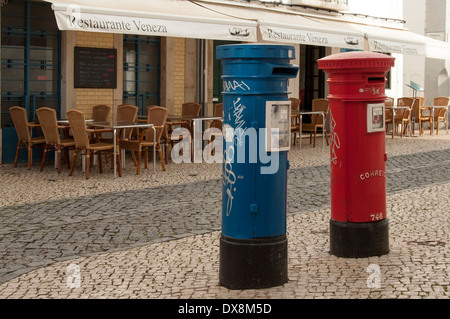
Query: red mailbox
[358,225]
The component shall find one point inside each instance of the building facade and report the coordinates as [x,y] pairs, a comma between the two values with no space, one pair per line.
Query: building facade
[165,50]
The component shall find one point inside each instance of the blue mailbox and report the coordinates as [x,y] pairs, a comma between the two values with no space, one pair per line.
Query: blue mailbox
[256,141]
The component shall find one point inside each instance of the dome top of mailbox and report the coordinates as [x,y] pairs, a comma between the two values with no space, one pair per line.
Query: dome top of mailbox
[356,60]
[256,51]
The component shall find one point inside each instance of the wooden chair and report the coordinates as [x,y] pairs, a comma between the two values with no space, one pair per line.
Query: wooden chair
[165,137]
[402,116]
[317,121]
[187,109]
[100,112]
[20,120]
[417,114]
[128,113]
[156,115]
[52,134]
[388,113]
[216,125]
[440,114]
[295,118]
[77,123]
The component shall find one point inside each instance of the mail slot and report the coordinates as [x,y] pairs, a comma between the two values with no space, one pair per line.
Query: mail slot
[358,225]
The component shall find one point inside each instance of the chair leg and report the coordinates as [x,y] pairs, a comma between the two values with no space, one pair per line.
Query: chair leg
[139,155]
[74,159]
[67,157]
[100,166]
[166,149]
[58,150]
[326,136]
[17,154]
[88,163]
[315,133]
[119,164]
[43,157]
[146,159]
[161,157]
[29,154]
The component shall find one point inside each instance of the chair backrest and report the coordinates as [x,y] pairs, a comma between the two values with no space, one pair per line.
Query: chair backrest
[421,101]
[77,123]
[388,111]
[404,113]
[405,101]
[218,109]
[49,125]
[191,108]
[20,120]
[157,116]
[127,112]
[319,105]
[100,112]
[389,101]
[295,104]
[440,101]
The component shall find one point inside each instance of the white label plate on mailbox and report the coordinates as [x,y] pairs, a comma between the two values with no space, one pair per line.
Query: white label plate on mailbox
[375,118]
[278,126]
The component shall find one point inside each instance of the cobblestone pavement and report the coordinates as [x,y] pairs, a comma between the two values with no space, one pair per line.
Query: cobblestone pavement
[157,235]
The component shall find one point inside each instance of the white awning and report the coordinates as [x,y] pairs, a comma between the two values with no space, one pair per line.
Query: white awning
[173,18]
[289,26]
[306,31]
[389,39]
[404,42]
[236,21]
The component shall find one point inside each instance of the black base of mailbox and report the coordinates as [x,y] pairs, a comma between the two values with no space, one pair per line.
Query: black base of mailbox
[253,263]
[359,240]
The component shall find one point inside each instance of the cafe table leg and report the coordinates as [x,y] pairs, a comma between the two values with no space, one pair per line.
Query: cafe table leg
[446,124]
[300,137]
[197,137]
[323,129]
[393,122]
[154,149]
[115,152]
[83,163]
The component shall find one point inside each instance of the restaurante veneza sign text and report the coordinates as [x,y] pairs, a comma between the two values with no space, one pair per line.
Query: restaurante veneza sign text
[147,23]
[124,26]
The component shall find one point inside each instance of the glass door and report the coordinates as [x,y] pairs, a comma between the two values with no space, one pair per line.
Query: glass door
[141,76]
[314,78]
[31,65]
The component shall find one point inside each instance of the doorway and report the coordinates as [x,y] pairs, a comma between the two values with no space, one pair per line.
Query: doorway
[314,78]
[141,71]
[31,66]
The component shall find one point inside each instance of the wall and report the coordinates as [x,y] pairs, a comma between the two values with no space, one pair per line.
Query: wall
[175,55]
[80,98]
[436,77]
[179,61]
[86,98]
[389,9]
[414,66]
[177,72]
